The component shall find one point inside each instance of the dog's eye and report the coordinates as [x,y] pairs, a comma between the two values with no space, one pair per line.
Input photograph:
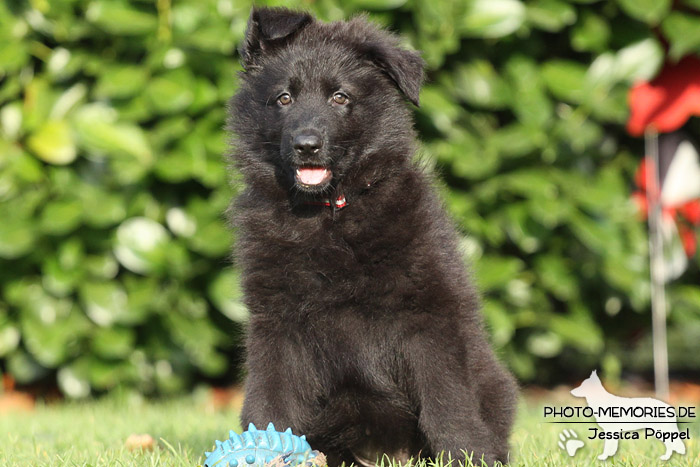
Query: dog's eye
[340,98]
[284,99]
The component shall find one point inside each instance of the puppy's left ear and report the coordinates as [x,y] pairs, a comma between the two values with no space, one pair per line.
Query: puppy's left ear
[404,67]
[267,28]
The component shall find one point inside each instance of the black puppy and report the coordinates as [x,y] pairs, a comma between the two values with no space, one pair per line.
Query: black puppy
[364,329]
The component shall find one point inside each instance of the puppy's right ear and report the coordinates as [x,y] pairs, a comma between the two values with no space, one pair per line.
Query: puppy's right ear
[267,28]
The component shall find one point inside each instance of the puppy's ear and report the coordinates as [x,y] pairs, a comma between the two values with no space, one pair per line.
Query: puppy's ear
[268,27]
[404,67]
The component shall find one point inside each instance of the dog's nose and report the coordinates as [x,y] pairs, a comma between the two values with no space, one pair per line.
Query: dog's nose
[307,144]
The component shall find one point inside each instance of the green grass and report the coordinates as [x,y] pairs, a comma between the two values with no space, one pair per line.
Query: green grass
[93,434]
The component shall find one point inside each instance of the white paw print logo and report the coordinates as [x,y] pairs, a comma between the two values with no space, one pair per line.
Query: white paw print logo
[570,442]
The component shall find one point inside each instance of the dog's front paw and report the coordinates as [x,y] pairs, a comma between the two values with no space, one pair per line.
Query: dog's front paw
[602,457]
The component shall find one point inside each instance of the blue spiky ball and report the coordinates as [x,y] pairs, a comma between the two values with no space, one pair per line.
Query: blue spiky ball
[256,448]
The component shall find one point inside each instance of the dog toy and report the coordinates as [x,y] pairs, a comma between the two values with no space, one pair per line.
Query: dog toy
[263,448]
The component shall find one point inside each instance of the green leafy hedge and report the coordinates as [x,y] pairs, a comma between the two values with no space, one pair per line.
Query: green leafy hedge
[114,265]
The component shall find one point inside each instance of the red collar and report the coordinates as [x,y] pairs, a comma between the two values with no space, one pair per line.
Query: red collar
[340,202]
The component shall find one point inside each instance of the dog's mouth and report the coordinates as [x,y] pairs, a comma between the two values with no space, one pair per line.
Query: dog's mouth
[310,176]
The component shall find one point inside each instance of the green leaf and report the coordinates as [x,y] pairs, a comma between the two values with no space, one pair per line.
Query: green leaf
[9,337]
[578,329]
[521,363]
[10,88]
[63,64]
[53,143]
[597,236]
[214,37]
[550,212]
[550,15]
[528,183]
[137,109]
[141,245]
[211,239]
[180,222]
[58,280]
[557,276]
[167,379]
[500,326]
[73,381]
[522,230]
[478,83]
[197,338]
[565,79]
[171,92]
[612,107]
[493,272]
[205,95]
[492,18]
[104,302]
[102,266]
[17,237]
[142,294]
[683,32]
[170,129]
[100,133]
[24,368]
[116,17]
[107,374]
[18,169]
[102,208]
[544,344]
[175,166]
[113,342]
[13,56]
[118,82]
[685,305]
[225,292]
[61,216]
[640,60]
[52,338]
[648,11]
[516,140]
[11,120]
[591,34]
[439,107]
[68,101]
[529,101]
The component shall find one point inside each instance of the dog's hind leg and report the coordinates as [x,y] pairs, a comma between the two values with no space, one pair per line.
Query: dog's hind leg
[672,446]
[669,451]
[679,446]
[609,449]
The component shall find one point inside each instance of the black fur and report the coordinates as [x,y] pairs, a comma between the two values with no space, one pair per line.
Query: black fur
[364,330]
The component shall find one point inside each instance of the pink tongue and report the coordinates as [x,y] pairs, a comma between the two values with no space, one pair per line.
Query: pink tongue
[311,175]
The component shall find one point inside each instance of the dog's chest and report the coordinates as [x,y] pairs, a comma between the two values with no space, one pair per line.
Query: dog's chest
[332,265]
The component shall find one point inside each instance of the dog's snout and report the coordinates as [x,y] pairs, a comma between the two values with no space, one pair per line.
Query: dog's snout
[308,143]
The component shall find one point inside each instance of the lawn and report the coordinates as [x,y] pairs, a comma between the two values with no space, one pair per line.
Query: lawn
[94,434]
